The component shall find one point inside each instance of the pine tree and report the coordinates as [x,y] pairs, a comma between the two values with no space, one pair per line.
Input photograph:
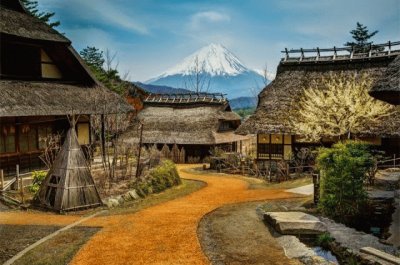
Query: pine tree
[109,75]
[32,8]
[361,36]
[93,57]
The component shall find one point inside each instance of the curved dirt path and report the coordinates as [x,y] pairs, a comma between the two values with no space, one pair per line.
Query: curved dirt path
[167,233]
[162,234]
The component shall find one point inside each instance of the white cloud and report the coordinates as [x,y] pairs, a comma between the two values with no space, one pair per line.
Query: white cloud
[199,18]
[103,11]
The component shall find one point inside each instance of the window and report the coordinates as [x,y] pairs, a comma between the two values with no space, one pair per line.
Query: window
[83,133]
[27,138]
[20,61]
[49,68]
[274,146]
[7,139]
[43,133]
[225,126]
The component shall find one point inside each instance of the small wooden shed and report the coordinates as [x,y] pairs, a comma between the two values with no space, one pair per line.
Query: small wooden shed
[69,184]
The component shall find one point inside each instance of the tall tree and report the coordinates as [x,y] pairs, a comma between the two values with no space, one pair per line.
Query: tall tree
[361,36]
[93,57]
[103,67]
[338,106]
[32,8]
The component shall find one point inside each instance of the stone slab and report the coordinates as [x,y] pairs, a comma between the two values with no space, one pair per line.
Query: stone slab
[380,254]
[295,223]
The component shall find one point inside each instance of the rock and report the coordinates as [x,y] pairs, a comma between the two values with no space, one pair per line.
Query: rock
[120,199]
[381,255]
[126,197]
[295,223]
[134,194]
[111,203]
[380,194]
[294,248]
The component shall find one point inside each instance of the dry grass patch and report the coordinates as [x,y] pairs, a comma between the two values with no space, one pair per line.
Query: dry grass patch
[14,238]
[59,249]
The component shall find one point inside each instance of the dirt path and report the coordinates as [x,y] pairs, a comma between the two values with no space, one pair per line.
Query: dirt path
[167,233]
[236,234]
[162,234]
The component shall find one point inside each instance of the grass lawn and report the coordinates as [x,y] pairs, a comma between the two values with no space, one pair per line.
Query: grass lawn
[59,249]
[187,187]
[14,238]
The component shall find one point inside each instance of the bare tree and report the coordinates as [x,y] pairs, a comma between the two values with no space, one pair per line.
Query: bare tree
[198,80]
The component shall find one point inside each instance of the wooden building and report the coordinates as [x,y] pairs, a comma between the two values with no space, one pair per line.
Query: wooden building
[276,139]
[42,80]
[196,122]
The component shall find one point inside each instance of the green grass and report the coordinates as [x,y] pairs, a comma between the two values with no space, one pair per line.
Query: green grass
[59,249]
[187,187]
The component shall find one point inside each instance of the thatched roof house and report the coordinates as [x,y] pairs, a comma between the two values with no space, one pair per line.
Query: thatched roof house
[387,87]
[191,120]
[271,121]
[43,79]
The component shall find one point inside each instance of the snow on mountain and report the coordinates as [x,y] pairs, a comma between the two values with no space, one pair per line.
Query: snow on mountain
[213,59]
[225,72]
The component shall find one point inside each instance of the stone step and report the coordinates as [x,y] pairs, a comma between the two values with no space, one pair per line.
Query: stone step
[381,255]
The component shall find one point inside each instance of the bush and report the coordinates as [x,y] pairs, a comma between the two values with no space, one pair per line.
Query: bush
[323,240]
[38,177]
[344,169]
[160,178]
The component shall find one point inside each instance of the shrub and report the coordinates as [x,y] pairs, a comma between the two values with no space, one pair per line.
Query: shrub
[160,178]
[38,177]
[343,171]
[323,240]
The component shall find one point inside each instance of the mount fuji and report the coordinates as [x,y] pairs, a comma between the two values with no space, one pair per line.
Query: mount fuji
[215,69]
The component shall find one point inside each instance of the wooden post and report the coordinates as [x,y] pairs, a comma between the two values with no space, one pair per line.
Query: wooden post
[16,183]
[2,179]
[286,54]
[139,151]
[103,139]
[22,190]
[390,48]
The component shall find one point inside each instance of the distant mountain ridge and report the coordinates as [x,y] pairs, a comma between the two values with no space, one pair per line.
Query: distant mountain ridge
[225,72]
[235,103]
[243,102]
[156,89]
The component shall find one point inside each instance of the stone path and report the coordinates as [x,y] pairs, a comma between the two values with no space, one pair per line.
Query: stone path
[304,190]
[162,234]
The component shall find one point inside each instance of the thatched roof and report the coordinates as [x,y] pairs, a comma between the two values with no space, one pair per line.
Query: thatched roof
[27,98]
[69,184]
[77,93]
[387,87]
[275,99]
[191,123]
[17,22]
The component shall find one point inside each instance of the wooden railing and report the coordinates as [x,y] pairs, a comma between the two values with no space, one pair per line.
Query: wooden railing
[186,98]
[344,53]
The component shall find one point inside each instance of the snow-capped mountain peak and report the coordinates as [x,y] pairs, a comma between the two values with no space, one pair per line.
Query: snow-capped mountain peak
[213,59]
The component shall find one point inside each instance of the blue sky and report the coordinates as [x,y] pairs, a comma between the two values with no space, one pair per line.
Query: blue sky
[150,36]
